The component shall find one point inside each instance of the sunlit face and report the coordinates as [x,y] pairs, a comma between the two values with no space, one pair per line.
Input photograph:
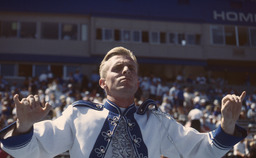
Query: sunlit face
[121,78]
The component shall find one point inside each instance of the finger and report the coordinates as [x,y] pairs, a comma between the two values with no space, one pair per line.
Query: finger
[16,99]
[37,101]
[235,98]
[227,98]
[47,107]
[31,100]
[24,101]
[242,96]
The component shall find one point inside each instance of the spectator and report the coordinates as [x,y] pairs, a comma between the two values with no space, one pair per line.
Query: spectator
[145,84]
[194,117]
[165,106]
[251,114]
[240,150]
[172,93]
[43,77]
[252,151]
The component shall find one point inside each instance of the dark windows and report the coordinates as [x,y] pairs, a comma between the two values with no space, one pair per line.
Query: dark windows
[230,35]
[9,29]
[243,36]
[117,35]
[49,30]
[28,30]
[145,37]
[162,37]
[98,34]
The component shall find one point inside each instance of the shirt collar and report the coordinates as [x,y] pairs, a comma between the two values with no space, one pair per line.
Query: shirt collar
[115,109]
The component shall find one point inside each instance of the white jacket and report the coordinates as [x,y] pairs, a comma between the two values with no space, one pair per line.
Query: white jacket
[85,130]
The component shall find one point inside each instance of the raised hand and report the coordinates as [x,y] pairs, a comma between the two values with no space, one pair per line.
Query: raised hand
[230,111]
[29,111]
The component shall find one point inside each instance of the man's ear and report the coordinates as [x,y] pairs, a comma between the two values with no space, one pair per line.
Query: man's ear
[102,83]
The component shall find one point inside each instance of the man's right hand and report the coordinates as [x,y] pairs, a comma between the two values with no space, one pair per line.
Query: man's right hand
[29,111]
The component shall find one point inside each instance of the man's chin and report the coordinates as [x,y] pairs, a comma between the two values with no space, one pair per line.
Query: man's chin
[126,89]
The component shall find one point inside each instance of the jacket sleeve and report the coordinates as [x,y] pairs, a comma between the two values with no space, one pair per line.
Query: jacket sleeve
[46,139]
[187,142]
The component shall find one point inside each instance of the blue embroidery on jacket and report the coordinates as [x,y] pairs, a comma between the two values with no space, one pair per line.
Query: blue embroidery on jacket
[128,132]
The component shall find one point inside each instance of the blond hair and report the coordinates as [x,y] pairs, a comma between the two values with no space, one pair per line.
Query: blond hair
[113,52]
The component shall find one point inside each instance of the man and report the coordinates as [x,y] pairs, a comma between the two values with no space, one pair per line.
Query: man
[118,128]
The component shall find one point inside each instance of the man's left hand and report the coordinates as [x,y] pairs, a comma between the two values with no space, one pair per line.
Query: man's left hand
[230,111]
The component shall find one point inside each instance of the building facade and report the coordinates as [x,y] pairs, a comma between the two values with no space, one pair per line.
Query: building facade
[188,37]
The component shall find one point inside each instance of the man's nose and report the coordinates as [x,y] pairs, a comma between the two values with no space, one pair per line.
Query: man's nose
[126,70]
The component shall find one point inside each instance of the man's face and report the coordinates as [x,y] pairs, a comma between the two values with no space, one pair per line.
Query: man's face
[121,78]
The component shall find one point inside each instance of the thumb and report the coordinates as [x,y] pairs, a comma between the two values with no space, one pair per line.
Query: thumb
[47,108]
[16,99]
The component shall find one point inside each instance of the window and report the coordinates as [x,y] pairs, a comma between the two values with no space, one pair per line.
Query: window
[57,70]
[7,70]
[108,34]
[39,69]
[98,34]
[136,36]
[162,37]
[126,35]
[154,38]
[198,39]
[9,29]
[84,32]
[217,35]
[25,70]
[243,36]
[69,70]
[49,30]
[69,32]
[193,39]
[230,35]
[253,37]
[145,38]
[181,39]
[28,30]
[172,38]
[117,35]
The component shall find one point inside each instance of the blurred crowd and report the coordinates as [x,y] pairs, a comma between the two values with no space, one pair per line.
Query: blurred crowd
[194,107]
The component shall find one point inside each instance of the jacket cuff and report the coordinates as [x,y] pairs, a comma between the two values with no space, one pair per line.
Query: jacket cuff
[226,141]
[15,142]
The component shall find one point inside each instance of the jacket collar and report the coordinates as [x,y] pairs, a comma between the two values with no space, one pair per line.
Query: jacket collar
[115,109]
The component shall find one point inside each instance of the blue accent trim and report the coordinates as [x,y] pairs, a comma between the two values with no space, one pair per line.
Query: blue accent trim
[136,137]
[112,107]
[225,141]
[145,105]
[130,110]
[92,105]
[102,143]
[16,142]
